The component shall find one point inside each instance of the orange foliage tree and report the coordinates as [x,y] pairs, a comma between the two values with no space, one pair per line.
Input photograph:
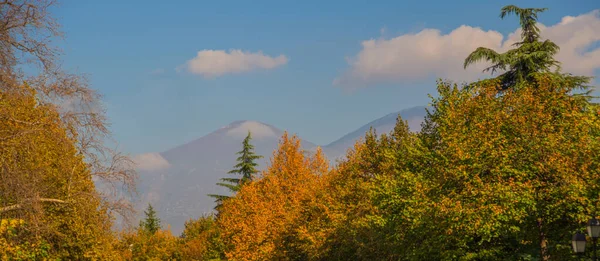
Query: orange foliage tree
[263,221]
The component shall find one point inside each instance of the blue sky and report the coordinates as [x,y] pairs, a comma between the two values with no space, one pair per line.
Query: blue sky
[131,51]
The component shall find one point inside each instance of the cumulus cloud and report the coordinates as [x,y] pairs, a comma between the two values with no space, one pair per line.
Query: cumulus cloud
[214,63]
[150,162]
[429,53]
[257,129]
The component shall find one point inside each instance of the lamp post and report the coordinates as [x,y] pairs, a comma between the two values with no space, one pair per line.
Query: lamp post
[593,229]
[578,242]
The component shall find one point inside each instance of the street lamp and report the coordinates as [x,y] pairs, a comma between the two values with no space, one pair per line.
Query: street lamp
[578,241]
[593,228]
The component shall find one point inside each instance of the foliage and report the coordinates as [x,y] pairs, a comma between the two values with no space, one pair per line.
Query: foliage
[261,220]
[514,175]
[371,221]
[246,167]
[45,183]
[27,31]
[490,177]
[12,249]
[142,246]
[201,240]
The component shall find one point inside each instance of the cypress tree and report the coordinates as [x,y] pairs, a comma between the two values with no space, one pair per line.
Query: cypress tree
[246,167]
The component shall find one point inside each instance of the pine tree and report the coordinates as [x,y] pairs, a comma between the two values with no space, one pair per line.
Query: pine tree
[530,56]
[151,223]
[246,167]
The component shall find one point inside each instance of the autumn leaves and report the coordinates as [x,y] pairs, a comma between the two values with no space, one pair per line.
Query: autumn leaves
[489,177]
[267,212]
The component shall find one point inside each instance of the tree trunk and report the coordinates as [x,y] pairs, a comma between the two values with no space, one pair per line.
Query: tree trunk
[543,241]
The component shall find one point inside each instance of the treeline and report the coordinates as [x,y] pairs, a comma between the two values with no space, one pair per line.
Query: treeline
[503,169]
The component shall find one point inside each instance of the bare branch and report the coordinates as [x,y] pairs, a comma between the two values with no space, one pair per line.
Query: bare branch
[19,206]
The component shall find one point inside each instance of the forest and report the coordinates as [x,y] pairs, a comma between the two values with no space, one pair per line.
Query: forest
[506,168]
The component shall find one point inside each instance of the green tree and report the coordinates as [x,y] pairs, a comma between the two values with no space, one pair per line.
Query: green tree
[246,167]
[531,55]
[201,239]
[510,176]
[151,223]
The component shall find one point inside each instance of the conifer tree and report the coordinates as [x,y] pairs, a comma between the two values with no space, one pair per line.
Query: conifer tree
[246,167]
[531,55]
[151,223]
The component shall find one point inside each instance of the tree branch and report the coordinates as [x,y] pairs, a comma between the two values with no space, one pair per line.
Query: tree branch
[19,206]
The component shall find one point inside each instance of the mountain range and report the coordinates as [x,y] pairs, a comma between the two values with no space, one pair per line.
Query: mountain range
[176,182]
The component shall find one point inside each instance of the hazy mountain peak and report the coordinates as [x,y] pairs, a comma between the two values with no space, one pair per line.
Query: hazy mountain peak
[239,129]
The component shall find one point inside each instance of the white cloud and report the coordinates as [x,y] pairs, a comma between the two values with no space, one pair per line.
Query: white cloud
[257,129]
[150,161]
[429,53]
[214,63]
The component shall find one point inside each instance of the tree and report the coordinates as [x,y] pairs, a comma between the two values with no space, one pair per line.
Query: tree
[246,167]
[511,176]
[261,221]
[151,223]
[27,30]
[141,246]
[201,239]
[530,55]
[46,186]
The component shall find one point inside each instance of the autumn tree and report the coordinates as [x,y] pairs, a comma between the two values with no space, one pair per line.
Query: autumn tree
[510,176]
[246,167]
[258,222]
[55,146]
[376,198]
[27,30]
[201,239]
[139,245]
[46,185]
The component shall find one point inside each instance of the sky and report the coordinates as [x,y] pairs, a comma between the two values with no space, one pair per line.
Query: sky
[173,71]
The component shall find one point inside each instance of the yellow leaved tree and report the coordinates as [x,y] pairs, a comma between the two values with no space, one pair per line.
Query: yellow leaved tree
[46,186]
[263,220]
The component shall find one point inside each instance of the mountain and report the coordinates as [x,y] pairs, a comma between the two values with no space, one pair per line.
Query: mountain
[385,124]
[176,182]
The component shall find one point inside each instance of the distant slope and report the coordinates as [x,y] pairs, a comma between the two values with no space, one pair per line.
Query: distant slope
[385,124]
[179,189]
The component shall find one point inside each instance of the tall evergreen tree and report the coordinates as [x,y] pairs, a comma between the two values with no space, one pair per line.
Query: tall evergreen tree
[246,167]
[531,55]
[151,223]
